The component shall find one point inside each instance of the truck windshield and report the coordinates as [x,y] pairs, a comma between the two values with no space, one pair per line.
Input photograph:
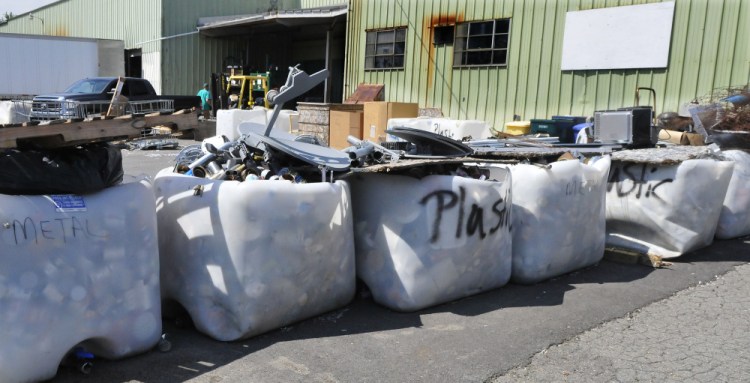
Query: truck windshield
[88,86]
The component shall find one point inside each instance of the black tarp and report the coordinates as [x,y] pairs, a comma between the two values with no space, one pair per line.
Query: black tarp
[74,170]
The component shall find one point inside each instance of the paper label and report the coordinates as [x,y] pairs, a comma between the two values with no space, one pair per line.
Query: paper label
[68,202]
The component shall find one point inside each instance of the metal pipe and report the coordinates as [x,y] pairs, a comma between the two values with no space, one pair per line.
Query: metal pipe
[392,155]
[211,156]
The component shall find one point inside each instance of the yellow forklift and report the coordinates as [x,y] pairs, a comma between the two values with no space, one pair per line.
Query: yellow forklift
[243,90]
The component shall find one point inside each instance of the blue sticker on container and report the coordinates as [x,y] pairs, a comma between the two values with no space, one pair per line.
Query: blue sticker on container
[68,202]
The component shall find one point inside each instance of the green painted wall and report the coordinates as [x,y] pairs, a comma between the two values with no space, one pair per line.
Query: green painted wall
[710,49]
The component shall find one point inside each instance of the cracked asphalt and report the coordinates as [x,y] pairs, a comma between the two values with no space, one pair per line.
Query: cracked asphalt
[688,322]
[700,334]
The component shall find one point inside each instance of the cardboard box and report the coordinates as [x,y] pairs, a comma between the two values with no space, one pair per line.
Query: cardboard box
[344,124]
[377,114]
[681,138]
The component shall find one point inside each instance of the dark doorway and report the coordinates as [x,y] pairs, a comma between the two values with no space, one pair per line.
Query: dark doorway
[133,64]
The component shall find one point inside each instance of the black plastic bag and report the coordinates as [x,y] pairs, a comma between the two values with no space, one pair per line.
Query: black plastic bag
[74,170]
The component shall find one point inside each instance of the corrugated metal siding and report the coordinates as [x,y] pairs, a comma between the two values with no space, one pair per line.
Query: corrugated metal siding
[709,50]
[129,20]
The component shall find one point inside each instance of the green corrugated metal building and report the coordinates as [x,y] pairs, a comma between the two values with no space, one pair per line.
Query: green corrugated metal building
[164,44]
[472,59]
[709,49]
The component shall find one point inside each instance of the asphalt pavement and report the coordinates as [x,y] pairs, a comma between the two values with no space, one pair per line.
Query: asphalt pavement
[609,322]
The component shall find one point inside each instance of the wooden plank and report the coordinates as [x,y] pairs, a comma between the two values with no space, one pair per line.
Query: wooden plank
[116,103]
[68,133]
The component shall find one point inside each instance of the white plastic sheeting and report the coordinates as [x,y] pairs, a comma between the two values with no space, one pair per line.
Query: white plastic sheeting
[422,242]
[14,112]
[734,220]
[247,257]
[75,269]
[665,210]
[558,217]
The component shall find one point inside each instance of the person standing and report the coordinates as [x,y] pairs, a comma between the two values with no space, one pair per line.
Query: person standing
[205,96]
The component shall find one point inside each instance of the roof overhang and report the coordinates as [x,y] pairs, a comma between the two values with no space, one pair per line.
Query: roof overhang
[224,26]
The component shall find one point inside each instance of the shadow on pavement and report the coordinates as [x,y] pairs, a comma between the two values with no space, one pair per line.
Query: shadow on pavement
[194,354]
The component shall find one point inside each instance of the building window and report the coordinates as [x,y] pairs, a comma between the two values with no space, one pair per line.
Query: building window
[385,49]
[481,43]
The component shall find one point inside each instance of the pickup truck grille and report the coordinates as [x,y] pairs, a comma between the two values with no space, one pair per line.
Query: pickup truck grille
[54,110]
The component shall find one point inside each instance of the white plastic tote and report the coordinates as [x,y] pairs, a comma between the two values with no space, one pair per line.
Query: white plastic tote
[558,218]
[665,210]
[734,220]
[422,242]
[77,269]
[247,257]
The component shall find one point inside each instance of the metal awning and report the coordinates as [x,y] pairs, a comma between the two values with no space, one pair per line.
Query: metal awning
[268,22]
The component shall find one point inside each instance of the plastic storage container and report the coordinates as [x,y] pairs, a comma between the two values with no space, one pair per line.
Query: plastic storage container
[665,210]
[565,126]
[518,128]
[558,218]
[77,269]
[228,120]
[734,220]
[539,126]
[559,126]
[247,257]
[441,239]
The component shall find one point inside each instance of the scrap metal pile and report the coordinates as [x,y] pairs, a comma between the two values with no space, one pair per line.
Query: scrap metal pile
[259,154]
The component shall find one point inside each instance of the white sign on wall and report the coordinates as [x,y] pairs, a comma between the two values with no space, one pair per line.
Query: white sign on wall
[629,37]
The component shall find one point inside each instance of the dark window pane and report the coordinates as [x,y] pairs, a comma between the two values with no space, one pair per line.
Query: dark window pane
[398,61]
[500,57]
[369,62]
[371,37]
[483,28]
[501,41]
[502,26]
[384,61]
[480,42]
[401,34]
[399,48]
[443,35]
[384,49]
[479,58]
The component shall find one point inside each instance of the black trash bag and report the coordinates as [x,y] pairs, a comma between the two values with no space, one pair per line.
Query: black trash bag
[75,170]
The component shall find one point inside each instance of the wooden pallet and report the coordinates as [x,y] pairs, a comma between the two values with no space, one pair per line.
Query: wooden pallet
[61,133]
